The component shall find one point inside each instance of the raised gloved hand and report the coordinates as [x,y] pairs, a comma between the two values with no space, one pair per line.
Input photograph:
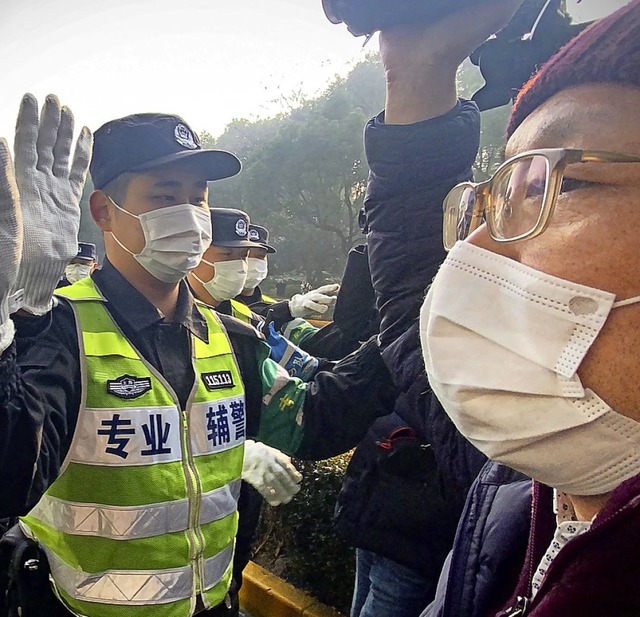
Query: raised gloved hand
[10,241]
[296,361]
[314,301]
[50,194]
[270,472]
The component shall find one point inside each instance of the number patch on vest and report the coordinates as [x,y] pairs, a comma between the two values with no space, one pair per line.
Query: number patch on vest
[129,387]
[218,380]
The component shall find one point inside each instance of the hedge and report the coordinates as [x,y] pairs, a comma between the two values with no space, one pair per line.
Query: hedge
[296,541]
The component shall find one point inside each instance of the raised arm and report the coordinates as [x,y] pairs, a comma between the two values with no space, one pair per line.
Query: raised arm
[423,144]
[39,376]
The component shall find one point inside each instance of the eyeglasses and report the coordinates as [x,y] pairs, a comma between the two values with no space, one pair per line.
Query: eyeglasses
[518,200]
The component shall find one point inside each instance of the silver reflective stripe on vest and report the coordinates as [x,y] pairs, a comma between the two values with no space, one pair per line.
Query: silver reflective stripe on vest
[135,587]
[129,523]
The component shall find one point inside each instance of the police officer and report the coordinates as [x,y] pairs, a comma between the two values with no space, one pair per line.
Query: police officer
[125,404]
[222,273]
[81,265]
[216,281]
[257,271]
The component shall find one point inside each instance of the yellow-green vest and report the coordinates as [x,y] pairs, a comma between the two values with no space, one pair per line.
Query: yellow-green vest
[268,299]
[241,311]
[143,517]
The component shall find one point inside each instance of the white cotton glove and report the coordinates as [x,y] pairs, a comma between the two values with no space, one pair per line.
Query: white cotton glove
[270,472]
[50,194]
[10,241]
[314,301]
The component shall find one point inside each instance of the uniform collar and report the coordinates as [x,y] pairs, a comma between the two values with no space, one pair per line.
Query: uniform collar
[256,296]
[132,307]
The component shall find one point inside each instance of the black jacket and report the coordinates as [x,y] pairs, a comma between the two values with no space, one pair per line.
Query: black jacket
[412,169]
[399,499]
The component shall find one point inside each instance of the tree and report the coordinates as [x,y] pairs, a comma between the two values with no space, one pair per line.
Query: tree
[304,173]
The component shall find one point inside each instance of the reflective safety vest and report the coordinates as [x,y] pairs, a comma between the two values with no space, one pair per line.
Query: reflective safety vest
[268,299]
[143,517]
[241,311]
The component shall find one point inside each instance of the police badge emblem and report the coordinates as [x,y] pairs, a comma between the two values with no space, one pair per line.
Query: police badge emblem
[241,228]
[254,236]
[185,137]
[129,387]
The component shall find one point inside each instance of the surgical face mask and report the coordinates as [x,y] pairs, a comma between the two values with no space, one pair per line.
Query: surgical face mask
[502,344]
[175,239]
[76,272]
[257,270]
[228,279]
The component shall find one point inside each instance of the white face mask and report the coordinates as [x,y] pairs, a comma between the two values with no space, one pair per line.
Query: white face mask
[502,343]
[257,270]
[228,279]
[76,272]
[175,239]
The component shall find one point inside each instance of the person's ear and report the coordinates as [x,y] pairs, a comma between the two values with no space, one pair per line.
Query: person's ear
[101,209]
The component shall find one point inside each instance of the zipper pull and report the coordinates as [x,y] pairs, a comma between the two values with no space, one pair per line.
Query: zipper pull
[520,608]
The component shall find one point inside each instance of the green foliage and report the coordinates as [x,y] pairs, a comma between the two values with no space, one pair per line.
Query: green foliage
[296,541]
[304,173]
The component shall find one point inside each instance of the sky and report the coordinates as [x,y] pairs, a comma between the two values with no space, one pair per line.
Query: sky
[209,61]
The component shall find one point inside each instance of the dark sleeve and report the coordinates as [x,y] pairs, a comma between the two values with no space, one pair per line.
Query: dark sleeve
[413,167]
[318,419]
[330,342]
[341,404]
[356,305]
[355,318]
[277,313]
[40,398]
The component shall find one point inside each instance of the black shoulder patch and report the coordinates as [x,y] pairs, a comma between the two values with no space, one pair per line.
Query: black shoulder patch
[218,380]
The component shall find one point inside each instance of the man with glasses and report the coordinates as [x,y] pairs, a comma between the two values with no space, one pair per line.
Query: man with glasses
[530,328]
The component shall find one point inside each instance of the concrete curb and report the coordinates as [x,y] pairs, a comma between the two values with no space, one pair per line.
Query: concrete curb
[264,594]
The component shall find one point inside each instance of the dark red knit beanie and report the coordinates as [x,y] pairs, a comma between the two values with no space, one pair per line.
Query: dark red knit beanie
[608,51]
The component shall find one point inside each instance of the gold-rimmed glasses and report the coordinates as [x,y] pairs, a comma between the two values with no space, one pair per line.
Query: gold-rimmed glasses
[518,200]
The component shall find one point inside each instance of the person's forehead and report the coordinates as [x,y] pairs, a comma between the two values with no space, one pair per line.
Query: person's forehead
[173,176]
[587,117]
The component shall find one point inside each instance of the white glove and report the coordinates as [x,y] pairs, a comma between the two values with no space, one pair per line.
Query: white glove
[10,241]
[314,301]
[50,194]
[270,472]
